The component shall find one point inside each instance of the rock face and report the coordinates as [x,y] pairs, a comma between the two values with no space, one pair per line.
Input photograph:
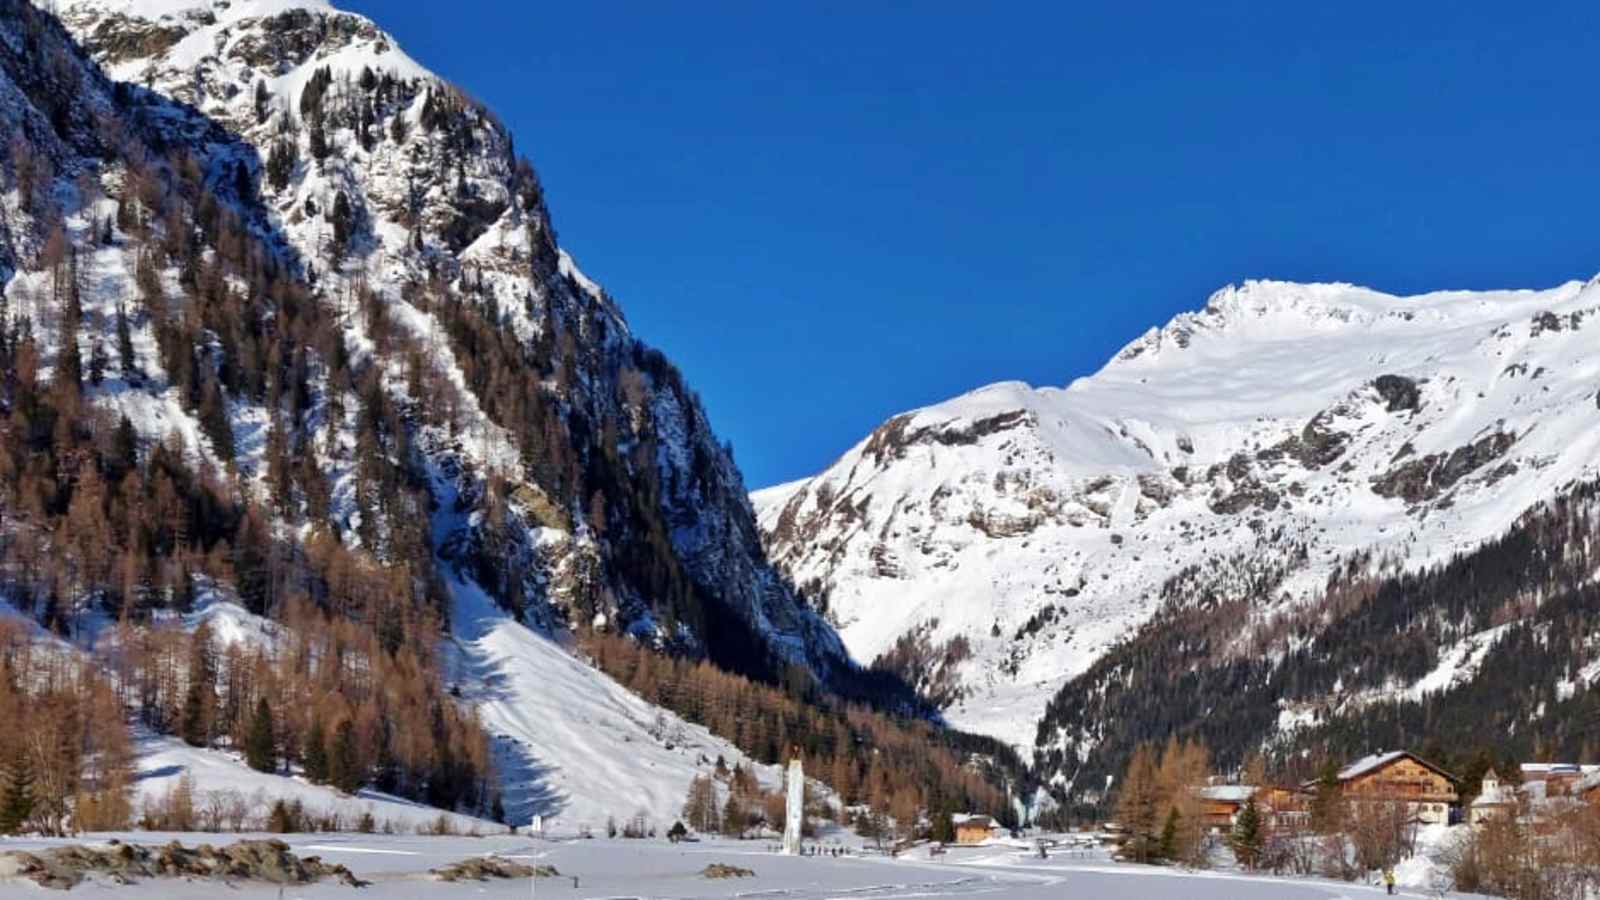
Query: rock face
[63,868]
[574,474]
[1278,430]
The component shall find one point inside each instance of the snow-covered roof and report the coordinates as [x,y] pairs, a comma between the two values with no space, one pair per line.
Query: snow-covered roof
[1548,769]
[1588,782]
[973,819]
[1377,761]
[1231,793]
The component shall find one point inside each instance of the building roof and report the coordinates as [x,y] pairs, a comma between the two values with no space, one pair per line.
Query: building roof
[1228,793]
[972,821]
[1369,764]
[1589,782]
[1547,769]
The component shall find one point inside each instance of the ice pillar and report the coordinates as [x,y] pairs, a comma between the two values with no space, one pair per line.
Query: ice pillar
[797,807]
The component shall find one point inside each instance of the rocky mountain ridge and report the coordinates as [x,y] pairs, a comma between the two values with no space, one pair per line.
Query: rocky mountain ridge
[388,184]
[997,545]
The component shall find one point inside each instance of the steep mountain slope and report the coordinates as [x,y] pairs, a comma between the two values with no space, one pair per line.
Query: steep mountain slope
[404,202]
[284,322]
[995,545]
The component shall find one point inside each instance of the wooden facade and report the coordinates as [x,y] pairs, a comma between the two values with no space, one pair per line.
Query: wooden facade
[1219,813]
[1426,789]
[1220,804]
[974,830]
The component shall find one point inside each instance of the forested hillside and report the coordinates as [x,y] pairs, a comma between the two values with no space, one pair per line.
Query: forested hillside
[285,325]
[1490,654]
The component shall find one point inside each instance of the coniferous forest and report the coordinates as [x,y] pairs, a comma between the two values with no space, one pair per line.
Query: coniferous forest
[1332,661]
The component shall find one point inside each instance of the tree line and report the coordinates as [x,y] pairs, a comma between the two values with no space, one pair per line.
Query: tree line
[900,769]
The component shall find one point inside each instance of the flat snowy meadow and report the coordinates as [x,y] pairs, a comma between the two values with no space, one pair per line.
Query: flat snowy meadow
[397,868]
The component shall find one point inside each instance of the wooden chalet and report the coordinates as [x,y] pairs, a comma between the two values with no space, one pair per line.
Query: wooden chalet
[1428,791]
[1221,803]
[974,829]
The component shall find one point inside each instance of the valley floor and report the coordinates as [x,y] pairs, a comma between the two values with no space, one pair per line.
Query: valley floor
[398,865]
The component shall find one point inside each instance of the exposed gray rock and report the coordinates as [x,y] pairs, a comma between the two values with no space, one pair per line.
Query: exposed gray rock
[1398,392]
[271,861]
[1426,478]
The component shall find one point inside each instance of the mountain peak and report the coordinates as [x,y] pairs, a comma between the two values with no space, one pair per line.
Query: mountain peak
[282,41]
[1354,420]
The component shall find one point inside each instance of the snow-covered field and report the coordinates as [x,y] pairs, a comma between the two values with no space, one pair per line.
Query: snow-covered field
[398,866]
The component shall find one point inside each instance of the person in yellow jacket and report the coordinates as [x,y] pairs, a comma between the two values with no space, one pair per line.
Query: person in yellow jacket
[1388,880]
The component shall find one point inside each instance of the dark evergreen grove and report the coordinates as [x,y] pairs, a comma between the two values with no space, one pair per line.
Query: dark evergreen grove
[1194,672]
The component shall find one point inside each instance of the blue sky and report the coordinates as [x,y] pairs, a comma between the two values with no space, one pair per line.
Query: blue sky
[829,213]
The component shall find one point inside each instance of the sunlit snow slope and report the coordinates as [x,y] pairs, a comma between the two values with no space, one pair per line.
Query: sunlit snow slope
[1015,532]
[573,745]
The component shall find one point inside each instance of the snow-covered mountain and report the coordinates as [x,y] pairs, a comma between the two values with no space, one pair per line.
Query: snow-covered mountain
[995,545]
[395,183]
[285,313]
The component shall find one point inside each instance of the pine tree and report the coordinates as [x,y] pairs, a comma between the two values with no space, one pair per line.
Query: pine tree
[124,447]
[1168,847]
[344,767]
[262,101]
[16,804]
[281,160]
[69,362]
[261,744]
[733,816]
[314,756]
[213,416]
[251,570]
[126,356]
[319,140]
[98,361]
[193,726]
[342,216]
[201,695]
[1247,837]
[943,826]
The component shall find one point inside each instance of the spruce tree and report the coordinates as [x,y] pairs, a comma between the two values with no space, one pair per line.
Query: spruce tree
[261,745]
[125,447]
[1168,847]
[943,827]
[314,757]
[1247,837]
[193,727]
[98,362]
[16,804]
[213,415]
[344,768]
